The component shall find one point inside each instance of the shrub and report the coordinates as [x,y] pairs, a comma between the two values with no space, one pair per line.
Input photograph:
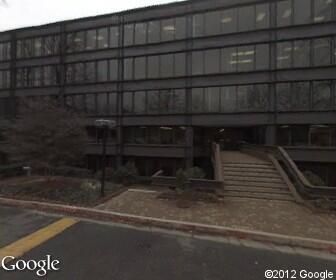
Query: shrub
[313,178]
[109,174]
[69,171]
[195,173]
[326,203]
[11,170]
[126,175]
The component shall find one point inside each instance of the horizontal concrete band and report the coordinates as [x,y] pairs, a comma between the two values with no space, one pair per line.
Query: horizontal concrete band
[294,241]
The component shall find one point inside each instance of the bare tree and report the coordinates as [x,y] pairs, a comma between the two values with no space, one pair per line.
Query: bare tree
[46,133]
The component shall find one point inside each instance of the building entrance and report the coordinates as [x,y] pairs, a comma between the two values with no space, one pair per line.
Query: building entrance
[229,138]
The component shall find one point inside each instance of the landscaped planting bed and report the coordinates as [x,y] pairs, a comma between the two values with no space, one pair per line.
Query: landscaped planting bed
[73,191]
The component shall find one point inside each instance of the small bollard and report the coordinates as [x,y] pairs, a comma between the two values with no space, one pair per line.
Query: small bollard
[28,170]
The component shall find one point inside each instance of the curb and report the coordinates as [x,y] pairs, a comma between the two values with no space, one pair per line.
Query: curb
[202,229]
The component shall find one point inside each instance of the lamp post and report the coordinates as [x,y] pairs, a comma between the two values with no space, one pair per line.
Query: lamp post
[105,125]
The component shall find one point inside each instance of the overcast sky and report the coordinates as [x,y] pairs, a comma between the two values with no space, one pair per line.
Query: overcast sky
[22,13]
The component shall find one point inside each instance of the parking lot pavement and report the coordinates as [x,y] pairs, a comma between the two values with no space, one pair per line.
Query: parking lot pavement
[90,250]
[16,223]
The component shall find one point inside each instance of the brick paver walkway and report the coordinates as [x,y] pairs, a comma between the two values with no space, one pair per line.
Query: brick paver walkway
[279,217]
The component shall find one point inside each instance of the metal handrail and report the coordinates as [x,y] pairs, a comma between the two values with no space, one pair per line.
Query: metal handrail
[217,162]
[301,183]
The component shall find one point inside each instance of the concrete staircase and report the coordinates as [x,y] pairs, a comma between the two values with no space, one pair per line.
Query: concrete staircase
[248,176]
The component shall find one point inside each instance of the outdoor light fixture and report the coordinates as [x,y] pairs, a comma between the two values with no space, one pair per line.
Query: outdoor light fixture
[105,125]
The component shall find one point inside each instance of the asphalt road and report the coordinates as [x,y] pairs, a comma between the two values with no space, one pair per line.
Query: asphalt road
[101,251]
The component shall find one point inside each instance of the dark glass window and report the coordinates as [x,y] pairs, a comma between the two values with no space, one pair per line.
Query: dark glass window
[262,16]
[198,25]
[128,102]
[212,61]
[102,70]
[113,70]
[284,135]
[170,101]
[38,46]
[79,102]
[228,99]
[322,51]
[262,57]
[245,98]
[178,101]
[180,25]
[112,103]
[140,33]
[322,10]
[114,36]
[167,65]
[51,45]
[140,102]
[322,99]
[284,55]
[197,63]
[102,104]
[302,12]
[300,135]
[91,40]
[229,20]
[128,68]
[320,135]
[139,134]
[283,96]
[213,23]
[197,100]
[284,13]
[4,79]
[153,63]
[211,99]
[90,72]
[90,100]
[167,30]
[180,64]
[229,59]
[140,67]
[154,31]
[301,53]
[153,102]
[102,38]
[28,50]
[260,98]
[5,51]
[245,58]
[166,134]
[300,96]
[153,135]
[75,42]
[246,16]
[129,34]
[180,135]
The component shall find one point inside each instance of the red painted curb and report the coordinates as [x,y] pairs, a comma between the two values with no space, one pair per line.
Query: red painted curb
[89,213]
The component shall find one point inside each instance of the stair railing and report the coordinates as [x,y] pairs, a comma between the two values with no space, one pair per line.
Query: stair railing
[217,162]
[300,182]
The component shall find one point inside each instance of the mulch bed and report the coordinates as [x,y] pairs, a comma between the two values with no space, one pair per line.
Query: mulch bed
[56,189]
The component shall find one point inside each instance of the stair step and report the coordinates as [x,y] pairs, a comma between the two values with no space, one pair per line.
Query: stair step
[250,189]
[255,184]
[243,169]
[248,165]
[252,179]
[269,196]
[248,173]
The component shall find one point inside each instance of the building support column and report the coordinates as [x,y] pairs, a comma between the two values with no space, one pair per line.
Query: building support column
[189,150]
